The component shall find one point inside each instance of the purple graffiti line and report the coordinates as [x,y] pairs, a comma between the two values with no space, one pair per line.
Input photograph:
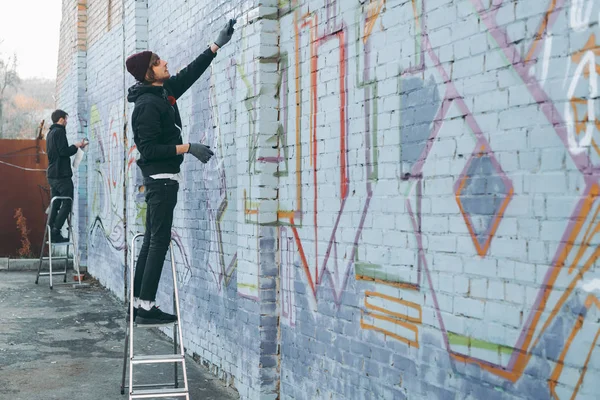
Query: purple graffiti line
[116,238]
[530,336]
[287,293]
[421,31]
[315,273]
[581,160]
[184,276]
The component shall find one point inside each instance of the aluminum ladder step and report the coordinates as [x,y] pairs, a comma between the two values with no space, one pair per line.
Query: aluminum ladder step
[61,244]
[53,273]
[177,358]
[47,241]
[146,326]
[163,358]
[153,393]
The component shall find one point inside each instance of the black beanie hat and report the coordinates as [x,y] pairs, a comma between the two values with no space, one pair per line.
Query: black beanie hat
[138,64]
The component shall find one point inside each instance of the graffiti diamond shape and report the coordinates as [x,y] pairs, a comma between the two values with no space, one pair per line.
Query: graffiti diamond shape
[483,193]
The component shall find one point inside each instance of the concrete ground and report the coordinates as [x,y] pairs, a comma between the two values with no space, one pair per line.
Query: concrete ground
[67,343]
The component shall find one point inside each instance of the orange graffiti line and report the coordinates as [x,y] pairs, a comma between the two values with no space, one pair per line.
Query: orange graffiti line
[372,15]
[311,21]
[553,381]
[595,146]
[285,214]
[247,210]
[538,36]
[464,214]
[416,14]
[401,316]
[524,356]
[411,327]
[313,129]
[584,369]
[592,300]
[343,172]
[581,125]
[577,228]
[590,45]
[303,257]
[482,250]
[401,285]
[587,237]
[298,119]
[497,220]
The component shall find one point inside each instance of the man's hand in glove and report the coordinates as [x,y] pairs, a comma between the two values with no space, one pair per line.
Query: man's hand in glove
[201,152]
[225,34]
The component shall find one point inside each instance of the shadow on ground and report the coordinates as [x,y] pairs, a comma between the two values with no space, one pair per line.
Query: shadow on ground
[67,343]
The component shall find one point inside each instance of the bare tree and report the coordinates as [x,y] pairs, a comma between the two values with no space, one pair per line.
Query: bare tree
[8,78]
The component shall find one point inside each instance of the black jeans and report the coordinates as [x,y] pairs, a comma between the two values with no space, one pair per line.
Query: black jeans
[60,187]
[161,198]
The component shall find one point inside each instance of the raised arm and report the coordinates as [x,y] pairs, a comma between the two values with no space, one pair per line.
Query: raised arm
[181,82]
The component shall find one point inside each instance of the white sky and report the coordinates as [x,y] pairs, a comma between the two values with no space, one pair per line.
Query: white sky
[31,29]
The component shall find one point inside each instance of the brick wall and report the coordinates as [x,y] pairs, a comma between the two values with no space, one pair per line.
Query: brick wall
[402,203]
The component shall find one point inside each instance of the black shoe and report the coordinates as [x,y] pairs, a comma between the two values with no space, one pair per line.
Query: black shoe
[57,237]
[135,311]
[154,317]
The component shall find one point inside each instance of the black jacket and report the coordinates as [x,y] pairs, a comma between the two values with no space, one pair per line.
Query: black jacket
[156,123]
[59,153]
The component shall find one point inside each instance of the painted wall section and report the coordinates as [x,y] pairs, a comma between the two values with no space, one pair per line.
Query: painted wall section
[403,200]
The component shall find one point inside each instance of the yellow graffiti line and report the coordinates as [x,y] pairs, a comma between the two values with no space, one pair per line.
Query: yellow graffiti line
[553,380]
[411,327]
[401,285]
[409,304]
[373,11]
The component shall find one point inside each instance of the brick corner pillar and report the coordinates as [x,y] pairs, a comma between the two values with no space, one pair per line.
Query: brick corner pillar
[71,96]
[258,270]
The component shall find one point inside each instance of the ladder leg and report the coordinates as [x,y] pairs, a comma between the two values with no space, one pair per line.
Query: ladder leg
[66,265]
[127,333]
[50,257]
[131,271]
[69,238]
[37,278]
[176,379]
[179,332]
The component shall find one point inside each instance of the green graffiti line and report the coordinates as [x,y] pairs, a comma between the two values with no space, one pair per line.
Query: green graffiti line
[368,84]
[281,136]
[461,340]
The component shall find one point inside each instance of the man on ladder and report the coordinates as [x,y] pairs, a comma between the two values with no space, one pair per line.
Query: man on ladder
[59,172]
[156,126]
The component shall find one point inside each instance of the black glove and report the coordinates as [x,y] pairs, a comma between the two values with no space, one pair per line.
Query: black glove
[225,34]
[201,152]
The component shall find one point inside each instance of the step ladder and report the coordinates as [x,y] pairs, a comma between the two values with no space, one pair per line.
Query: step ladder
[52,245]
[157,390]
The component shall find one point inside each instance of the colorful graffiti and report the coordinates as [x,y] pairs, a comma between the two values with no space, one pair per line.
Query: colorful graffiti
[107,188]
[403,269]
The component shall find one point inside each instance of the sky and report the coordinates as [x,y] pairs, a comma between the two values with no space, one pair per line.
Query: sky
[30,28]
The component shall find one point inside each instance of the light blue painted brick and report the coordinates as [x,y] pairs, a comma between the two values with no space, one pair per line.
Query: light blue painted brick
[560,207]
[495,290]
[509,248]
[528,228]
[525,272]
[503,313]
[461,284]
[483,267]
[478,288]
[471,307]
